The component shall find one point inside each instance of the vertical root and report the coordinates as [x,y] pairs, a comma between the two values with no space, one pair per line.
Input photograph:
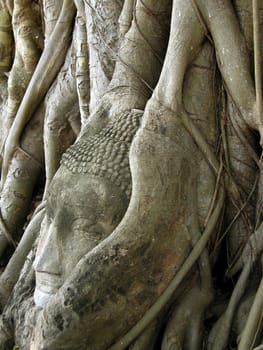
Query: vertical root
[62,122]
[6,39]
[218,339]
[125,18]
[147,339]
[11,273]
[254,321]
[185,268]
[82,63]
[26,27]
[42,78]
[257,65]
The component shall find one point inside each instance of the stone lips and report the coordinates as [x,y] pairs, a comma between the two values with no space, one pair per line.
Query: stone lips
[106,154]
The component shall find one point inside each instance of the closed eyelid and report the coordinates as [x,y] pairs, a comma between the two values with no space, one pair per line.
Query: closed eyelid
[93,232]
[84,219]
[82,224]
[49,212]
[50,205]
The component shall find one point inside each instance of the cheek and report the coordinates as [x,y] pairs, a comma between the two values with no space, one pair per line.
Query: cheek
[78,242]
[73,249]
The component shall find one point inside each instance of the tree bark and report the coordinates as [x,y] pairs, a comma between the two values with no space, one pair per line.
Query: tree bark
[178,265]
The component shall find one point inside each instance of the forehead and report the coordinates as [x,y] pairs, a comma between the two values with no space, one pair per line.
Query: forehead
[75,190]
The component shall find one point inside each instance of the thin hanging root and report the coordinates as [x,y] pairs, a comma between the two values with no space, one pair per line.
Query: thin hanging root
[185,268]
[229,273]
[10,6]
[254,320]
[82,63]
[185,326]
[218,184]
[48,66]
[248,335]
[210,157]
[219,336]
[252,249]
[147,339]
[257,63]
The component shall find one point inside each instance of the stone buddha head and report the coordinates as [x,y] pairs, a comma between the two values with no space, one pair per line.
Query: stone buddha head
[86,200]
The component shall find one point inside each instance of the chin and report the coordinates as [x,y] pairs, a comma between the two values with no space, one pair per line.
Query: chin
[41,298]
[46,286]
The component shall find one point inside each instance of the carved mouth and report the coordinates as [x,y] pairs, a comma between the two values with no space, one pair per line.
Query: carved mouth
[46,285]
[48,282]
[41,298]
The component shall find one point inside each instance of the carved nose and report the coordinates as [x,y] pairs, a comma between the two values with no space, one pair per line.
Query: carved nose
[48,255]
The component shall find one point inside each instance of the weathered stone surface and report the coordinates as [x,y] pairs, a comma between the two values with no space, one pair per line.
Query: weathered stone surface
[106,154]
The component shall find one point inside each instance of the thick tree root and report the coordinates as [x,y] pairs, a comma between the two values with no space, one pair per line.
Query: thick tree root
[62,122]
[183,271]
[102,45]
[42,78]
[11,273]
[6,38]
[28,47]
[125,19]
[23,175]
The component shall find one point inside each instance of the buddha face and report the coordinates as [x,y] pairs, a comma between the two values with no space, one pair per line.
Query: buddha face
[81,211]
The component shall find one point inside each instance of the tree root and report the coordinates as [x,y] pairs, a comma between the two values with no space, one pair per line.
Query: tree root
[257,63]
[62,122]
[148,337]
[185,327]
[6,38]
[23,174]
[218,338]
[42,78]
[82,62]
[102,46]
[260,347]
[28,47]
[254,321]
[126,16]
[185,268]
[11,273]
